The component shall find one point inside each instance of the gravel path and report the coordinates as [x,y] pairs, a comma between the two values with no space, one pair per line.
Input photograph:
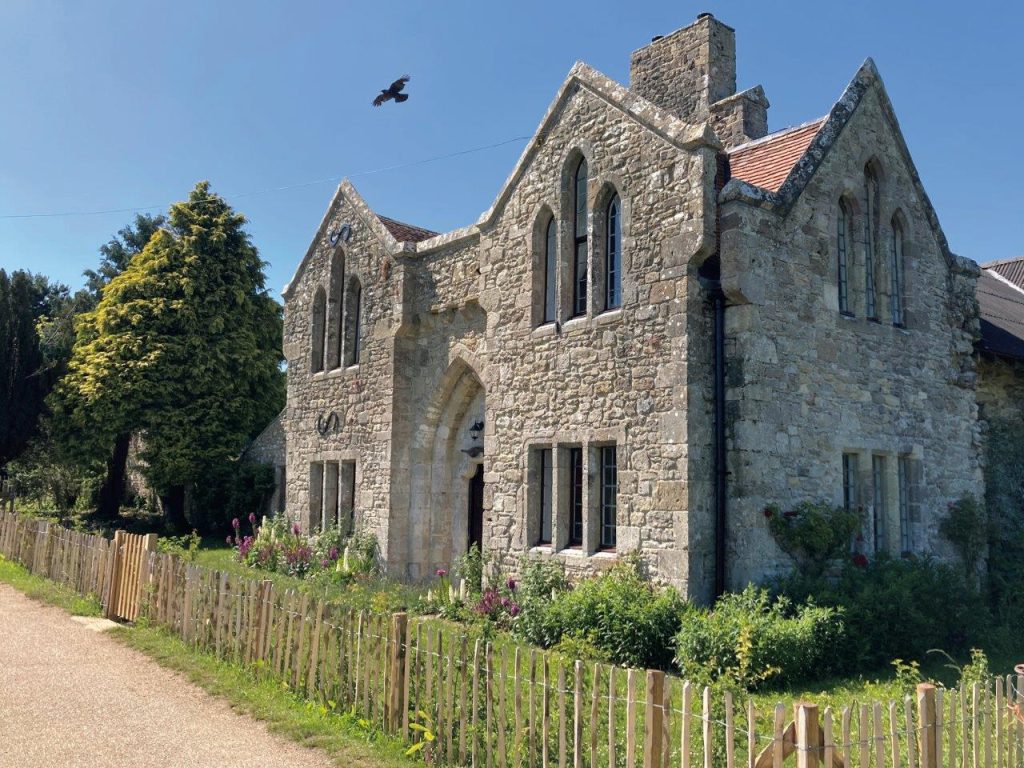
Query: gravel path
[71,696]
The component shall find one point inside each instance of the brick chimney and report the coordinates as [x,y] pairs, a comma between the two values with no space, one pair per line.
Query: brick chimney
[692,74]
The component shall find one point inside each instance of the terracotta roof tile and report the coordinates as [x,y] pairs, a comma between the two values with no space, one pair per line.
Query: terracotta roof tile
[1011,269]
[767,162]
[405,233]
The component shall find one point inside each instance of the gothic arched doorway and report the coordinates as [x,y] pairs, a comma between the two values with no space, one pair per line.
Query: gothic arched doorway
[447,498]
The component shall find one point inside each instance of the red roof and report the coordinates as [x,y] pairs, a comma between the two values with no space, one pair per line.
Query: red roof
[767,162]
[405,233]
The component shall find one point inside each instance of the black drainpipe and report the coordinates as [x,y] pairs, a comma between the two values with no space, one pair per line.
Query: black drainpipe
[712,269]
[710,279]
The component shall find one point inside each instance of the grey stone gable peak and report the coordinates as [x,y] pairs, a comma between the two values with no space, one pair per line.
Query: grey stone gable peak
[782,202]
[271,423]
[345,191]
[669,127]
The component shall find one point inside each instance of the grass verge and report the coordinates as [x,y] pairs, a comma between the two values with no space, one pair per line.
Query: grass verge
[345,737]
[39,588]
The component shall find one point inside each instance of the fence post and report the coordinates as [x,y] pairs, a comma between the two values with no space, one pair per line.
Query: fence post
[808,739]
[653,719]
[927,731]
[110,609]
[396,673]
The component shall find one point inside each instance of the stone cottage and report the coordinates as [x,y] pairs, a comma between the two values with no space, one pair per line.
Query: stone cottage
[667,319]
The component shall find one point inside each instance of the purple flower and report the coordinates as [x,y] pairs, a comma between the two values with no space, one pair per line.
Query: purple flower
[511,585]
[334,553]
[295,529]
[324,563]
[230,541]
[235,524]
[441,572]
[252,518]
[768,512]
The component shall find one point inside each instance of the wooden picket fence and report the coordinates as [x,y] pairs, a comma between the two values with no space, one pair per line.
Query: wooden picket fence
[471,702]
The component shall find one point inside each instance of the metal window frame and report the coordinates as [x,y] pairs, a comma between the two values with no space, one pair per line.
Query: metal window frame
[609,495]
[550,312]
[896,270]
[579,230]
[613,254]
[575,496]
[878,501]
[903,479]
[843,224]
[545,475]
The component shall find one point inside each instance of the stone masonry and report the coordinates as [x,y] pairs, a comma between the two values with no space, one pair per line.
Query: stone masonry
[417,360]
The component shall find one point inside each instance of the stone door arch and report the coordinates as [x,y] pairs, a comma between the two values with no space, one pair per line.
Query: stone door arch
[447,455]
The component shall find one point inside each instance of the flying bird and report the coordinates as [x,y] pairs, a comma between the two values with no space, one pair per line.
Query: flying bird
[393,91]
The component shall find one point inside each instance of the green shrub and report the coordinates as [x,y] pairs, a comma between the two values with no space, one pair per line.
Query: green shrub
[230,489]
[813,534]
[964,526]
[619,613]
[751,639]
[1004,503]
[895,608]
[470,568]
[539,581]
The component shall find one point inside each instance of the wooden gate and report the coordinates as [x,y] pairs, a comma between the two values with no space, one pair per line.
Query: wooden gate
[130,574]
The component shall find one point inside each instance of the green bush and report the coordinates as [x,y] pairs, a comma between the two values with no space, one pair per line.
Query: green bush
[895,609]
[230,489]
[812,534]
[1004,502]
[539,582]
[619,613]
[750,639]
[964,526]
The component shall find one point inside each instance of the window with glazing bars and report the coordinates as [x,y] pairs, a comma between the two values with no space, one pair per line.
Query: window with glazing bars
[843,240]
[550,270]
[613,255]
[544,472]
[575,497]
[316,493]
[850,499]
[609,495]
[878,517]
[579,295]
[870,224]
[896,273]
[903,475]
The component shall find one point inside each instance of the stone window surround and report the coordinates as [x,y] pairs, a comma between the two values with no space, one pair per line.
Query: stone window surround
[856,256]
[341,458]
[891,483]
[601,187]
[334,341]
[529,508]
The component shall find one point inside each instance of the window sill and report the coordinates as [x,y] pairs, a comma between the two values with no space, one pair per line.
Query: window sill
[609,316]
[606,553]
[574,322]
[543,331]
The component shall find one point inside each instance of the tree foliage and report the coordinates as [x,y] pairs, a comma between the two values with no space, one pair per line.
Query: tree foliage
[184,345]
[30,365]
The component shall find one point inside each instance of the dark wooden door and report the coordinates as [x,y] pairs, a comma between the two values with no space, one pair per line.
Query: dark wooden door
[476,509]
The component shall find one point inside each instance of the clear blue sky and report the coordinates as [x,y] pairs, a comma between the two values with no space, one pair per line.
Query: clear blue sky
[116,105]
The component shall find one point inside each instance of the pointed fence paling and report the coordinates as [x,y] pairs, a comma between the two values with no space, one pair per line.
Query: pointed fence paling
[487,704]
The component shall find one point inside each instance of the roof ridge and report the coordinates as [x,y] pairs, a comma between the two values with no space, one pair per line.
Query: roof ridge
[777,134]
[1001,262]
[382,217]
[997,276]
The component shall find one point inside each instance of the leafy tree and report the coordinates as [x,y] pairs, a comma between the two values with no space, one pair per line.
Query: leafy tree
[23,379]
[185,344]
[120,249]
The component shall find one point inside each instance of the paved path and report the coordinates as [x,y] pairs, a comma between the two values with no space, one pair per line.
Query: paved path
[72,696]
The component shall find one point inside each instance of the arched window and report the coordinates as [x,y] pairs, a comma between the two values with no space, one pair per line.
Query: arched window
[579,270]
[871,219]
[844,241]
[550,271]
[334,311]
[319,321]
[353,310]
[613,254]
[896,272]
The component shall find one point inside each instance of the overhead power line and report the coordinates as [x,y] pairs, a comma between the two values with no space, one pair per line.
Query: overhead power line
[331,179]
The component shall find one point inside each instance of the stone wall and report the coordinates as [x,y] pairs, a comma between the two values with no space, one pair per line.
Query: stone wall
[1001,390]
[807,383]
